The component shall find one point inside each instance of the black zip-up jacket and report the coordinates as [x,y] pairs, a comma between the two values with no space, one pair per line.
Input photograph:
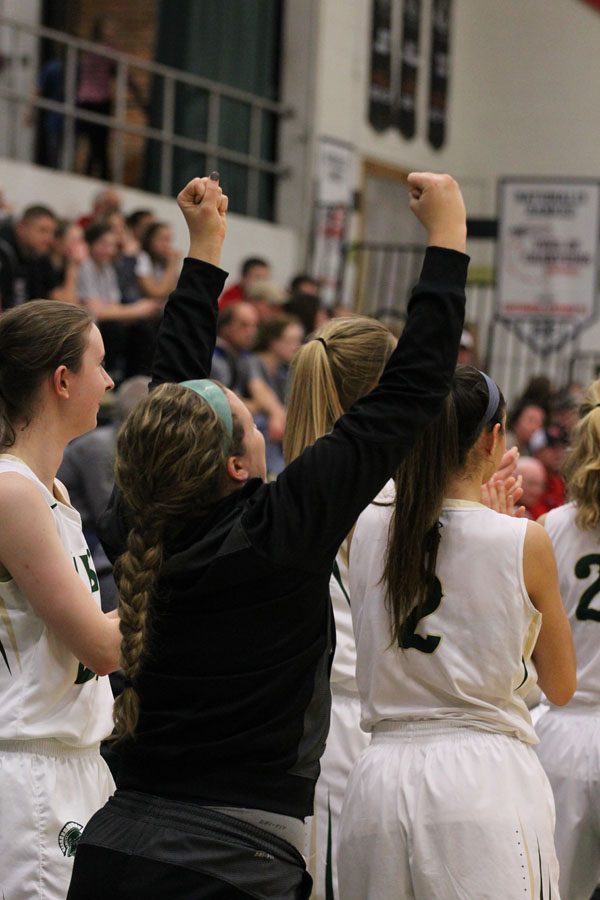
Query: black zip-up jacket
[234,694]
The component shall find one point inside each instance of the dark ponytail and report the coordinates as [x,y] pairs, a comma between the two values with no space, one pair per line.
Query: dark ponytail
[441,452]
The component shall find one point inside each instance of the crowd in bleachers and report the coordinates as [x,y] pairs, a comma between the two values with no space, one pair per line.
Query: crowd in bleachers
[121,268]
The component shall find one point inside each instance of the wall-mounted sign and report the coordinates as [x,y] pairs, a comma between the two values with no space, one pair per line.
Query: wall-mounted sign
[548,250]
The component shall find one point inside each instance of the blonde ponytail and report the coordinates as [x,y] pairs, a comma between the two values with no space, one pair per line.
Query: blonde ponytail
[331,372]
[582,467]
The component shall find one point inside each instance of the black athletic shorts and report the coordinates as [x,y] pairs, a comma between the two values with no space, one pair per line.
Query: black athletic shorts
[141,846]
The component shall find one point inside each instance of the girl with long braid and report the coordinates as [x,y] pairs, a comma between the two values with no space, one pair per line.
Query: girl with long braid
[227,637]
[569,739]
[56,645]
[451,601]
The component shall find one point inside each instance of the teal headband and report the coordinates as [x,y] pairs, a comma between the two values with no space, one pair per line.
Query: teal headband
[215,397]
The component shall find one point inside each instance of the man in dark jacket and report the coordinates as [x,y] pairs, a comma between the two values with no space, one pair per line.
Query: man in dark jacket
[25,269]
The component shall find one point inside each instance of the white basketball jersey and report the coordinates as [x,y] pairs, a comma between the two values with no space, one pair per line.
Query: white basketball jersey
[578,559]
[468,659]
[343,670]
[45,692]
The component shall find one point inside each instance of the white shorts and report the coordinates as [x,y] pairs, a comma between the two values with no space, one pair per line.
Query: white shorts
[437,812]
[345,743]
[48,791]
[569,751]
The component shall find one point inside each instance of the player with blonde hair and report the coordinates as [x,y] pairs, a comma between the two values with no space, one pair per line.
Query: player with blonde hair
[329,373]
[569,746]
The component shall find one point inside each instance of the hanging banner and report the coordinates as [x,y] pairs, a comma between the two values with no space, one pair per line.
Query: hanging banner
[336,162]
[406,111]
[548,258]
[380,85]
[439,72]
[330,229]
[335,172]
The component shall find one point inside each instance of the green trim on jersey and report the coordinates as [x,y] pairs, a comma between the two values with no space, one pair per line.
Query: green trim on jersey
[329,892]
[525,676]
[5,657]
[338,577]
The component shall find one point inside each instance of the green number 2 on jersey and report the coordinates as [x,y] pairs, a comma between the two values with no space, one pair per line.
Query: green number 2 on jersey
[583,569]
[429,643]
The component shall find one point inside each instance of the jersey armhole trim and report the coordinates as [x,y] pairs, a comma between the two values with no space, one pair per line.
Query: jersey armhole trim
[521,554]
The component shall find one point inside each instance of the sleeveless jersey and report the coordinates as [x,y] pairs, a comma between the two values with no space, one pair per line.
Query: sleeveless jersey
[45,692]
[578,559]
[343,670]
[468,658]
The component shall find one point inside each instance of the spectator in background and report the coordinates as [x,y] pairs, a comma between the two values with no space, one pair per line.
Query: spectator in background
[105,202]
[237,368]
[87,471]
[267,298]
[523,422]
[236,334]
[540,392]
[94,94]
[279,339]
[341,311]
[253,269]
[25,269]
[467,353]
[309,310]
[303,284]
[533,482]
[565,410]
[137,223]
[50,86]
[549,446]
[67,253]
[158,264]
[98,284]
[98,288]
[124,260]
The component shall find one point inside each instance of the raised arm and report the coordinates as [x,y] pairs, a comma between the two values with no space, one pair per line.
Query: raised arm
[187,334]
[317,499]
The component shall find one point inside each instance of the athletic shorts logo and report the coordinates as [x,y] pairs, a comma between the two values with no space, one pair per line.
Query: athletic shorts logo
[69,838]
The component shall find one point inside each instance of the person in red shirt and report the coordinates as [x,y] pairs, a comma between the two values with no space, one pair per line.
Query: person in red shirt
[549,445]
[253,269]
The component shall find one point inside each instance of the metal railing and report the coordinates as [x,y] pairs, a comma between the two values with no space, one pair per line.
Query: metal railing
[376,280]
[14,33]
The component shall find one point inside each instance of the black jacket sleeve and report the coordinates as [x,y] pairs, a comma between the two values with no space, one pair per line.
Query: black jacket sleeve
[187,335]
[301,519]
[184,349]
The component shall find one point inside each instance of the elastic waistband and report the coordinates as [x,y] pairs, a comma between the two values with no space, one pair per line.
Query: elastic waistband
[582,712]
[48,747]
[339,689]
[183,815]
[430,729]
[287,828]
